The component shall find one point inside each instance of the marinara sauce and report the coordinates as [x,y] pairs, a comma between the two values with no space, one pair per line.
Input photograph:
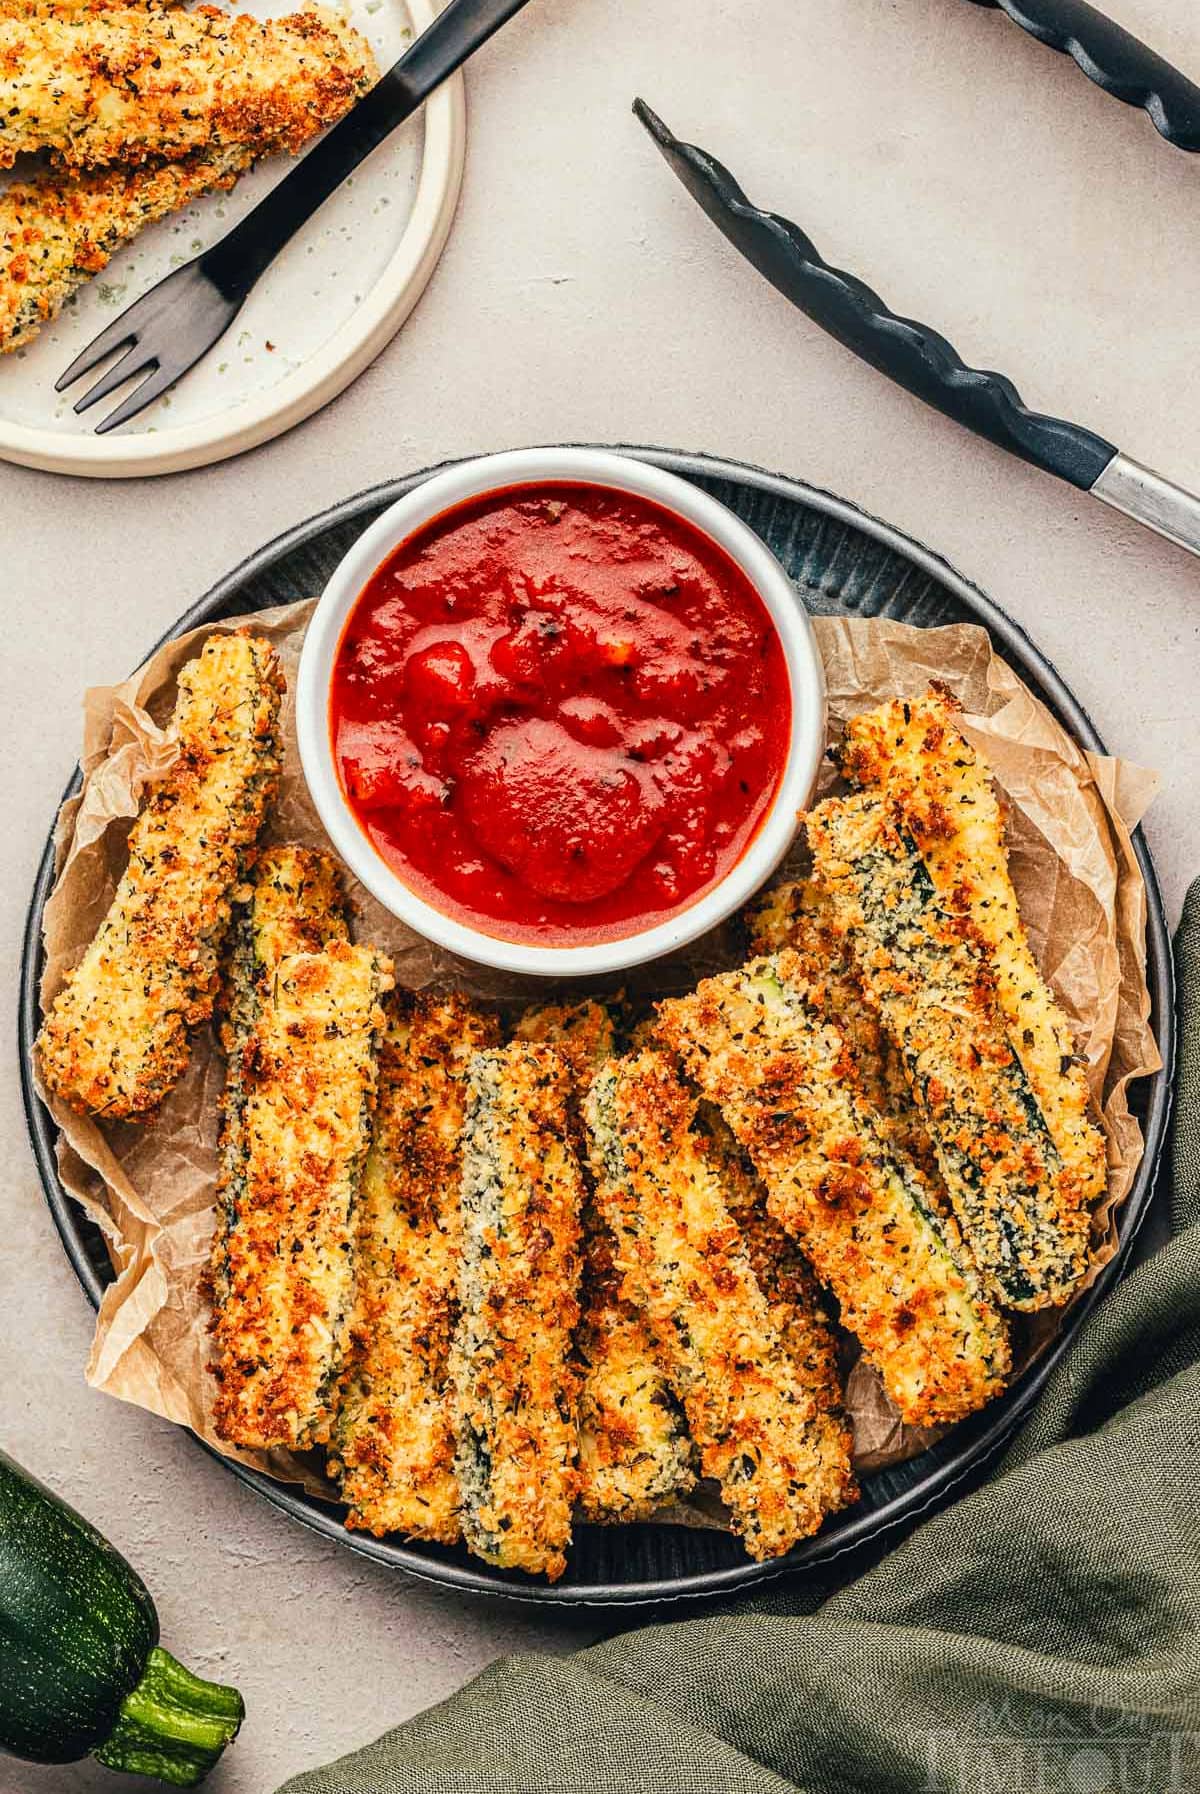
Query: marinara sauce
[560,713]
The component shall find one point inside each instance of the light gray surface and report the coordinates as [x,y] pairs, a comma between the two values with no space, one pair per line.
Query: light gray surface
[982,184]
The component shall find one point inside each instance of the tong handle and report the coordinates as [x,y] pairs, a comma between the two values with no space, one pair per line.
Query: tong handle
[1115,60]
[911,354]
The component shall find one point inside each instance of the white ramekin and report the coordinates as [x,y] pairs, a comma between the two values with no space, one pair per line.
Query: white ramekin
[495,473]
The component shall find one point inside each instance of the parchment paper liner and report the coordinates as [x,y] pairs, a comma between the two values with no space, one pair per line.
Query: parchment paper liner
[150,1186]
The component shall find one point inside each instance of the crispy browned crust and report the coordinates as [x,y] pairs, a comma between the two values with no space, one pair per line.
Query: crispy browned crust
[783,1274]
[782,1464]
[117,1035]
[288,1256]
[799,915]
[293,904]
[515,1385]
[634,1453]
[58,231]
[942,793]
[584,1033]
[905,1286]
[141,85]
[925,966]
[393,1439]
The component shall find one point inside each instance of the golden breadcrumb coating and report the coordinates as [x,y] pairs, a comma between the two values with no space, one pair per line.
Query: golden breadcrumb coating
[584,1034]
[799,915]
[860,1208]
[782,1463]
[634,1452]
[117,1036]
[515,1386]
[930,974]
[134,85]
[293,904]
[939,790]
[60,229]
[287,1269]
[393,1438]
[780,1269]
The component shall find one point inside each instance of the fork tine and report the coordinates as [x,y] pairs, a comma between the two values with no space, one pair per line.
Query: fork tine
[150,389]
[121,331]
[134,361]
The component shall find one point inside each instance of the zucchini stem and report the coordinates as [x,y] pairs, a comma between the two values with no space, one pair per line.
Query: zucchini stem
[173,1725]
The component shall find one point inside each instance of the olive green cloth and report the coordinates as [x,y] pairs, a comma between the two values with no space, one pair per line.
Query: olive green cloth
[1041,1634]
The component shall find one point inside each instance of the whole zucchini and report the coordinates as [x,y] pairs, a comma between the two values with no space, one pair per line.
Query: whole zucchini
[81,1670]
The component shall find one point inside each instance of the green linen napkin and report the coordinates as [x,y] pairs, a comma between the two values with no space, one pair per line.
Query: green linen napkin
[1041,1634]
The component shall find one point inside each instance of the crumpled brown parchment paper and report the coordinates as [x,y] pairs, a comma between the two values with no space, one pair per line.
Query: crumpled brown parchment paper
[150,1186]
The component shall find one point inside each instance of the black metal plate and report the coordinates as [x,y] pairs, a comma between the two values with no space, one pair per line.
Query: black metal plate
[842,561]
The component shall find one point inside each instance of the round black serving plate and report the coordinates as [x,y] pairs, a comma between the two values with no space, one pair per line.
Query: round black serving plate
[842,562]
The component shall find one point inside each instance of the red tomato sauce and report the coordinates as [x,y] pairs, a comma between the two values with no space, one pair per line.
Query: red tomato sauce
[560,713]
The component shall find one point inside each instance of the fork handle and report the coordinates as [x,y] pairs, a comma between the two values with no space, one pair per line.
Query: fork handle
[235,263]
[1115,60]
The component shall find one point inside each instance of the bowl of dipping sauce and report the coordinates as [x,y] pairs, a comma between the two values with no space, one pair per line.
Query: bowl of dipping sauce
[559,710]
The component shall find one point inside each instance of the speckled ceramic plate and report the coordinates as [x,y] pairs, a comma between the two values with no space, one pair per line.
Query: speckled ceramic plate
[320,314]
[841,562]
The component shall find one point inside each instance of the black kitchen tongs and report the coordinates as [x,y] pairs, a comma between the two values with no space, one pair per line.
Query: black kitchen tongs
[915,356]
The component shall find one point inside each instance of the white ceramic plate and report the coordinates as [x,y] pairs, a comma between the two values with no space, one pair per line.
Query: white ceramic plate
[319,315]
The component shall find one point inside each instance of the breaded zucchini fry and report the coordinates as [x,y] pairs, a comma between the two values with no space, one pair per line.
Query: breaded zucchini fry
[59,230]
[514,1384]
[859,1207]
[294,905]
[583,1033]
[117,1035]
[634,1452]
[926,969]
[781,1463]
[135,85]
[393,1438]
[939,791]
[800,916]
[287,1269]
[780,1268]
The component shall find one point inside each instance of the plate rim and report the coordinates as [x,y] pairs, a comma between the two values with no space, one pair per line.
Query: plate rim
[322,376]
[982,1436]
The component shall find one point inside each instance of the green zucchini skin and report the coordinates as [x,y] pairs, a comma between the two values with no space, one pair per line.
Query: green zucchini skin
[77,1625]
[81,1669]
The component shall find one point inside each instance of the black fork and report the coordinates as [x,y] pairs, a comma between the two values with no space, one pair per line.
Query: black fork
[169,329]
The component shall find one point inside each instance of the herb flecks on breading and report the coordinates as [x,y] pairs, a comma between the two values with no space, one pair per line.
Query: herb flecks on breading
[515,1388]
[393,1439]
[117,1036]
[634,1452]
[135,86]
[293,904]
[288,1255]
[799,916]
[59,230]
[931,977]
[782,1464]
[939,790]
[784,1080]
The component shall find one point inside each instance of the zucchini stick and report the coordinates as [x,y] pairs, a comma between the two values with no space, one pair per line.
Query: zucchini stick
[930,976]
[60,229]
[137,85]
[514,1384]
[288,1255]
[117,1036]
[942,794]
[782,1464]
[294,905]
[634,1452]
[393,1439]
[859,1207]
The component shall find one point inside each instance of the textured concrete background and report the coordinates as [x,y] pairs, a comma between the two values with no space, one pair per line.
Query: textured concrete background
[982,184]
